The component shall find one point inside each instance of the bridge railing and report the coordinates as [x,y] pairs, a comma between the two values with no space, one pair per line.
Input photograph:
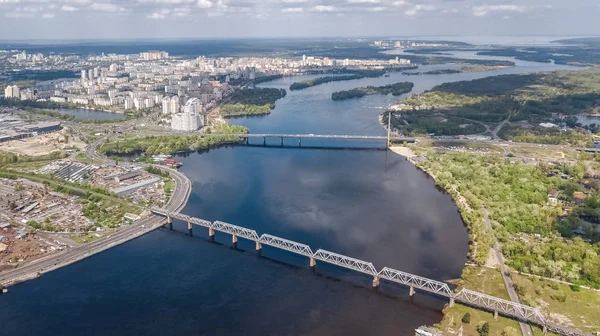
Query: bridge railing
[407,279]
[517,310]
[235,230]
[344,261]
[287,245]
[487,302]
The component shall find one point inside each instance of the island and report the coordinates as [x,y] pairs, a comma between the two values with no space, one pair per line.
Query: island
[396,89]
[472,68]
[251,102]
[358,74]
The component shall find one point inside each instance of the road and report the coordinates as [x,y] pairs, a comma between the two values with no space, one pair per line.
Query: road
[508,283]
[54,261]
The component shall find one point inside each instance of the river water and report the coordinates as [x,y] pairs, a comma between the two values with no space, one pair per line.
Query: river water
[86,114]
[367,204]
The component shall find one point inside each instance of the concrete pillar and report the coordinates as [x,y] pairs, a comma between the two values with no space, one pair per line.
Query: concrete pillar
[451,304]
[545,330]
[171,226]
[190,228]
[264,141]
[281,141]
[211,232]
[247,140]
[313,262]
[411,292]
[258,246]
[495,315]
[234,238]
[299,142]
[376,281]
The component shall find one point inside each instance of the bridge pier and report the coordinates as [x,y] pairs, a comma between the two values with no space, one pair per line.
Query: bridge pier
[451,303]
[299,142]
[258,246]
[496,315]
[375,281]
[264,141]
[234,239]
[545,329]
[170,222]
[313,262]
[411,292]
[247,140]
[281,141]
[190,228]
[211,234]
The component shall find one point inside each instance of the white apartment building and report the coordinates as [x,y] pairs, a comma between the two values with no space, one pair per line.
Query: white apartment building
[12,91]
[190,119]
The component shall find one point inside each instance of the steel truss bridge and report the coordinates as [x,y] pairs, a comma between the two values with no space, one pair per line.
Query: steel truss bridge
[465,296]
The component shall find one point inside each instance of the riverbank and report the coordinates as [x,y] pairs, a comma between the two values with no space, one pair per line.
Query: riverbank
[467,178]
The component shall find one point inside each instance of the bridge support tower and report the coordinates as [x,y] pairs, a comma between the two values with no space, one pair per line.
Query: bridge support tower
[264,141]
[411,292]
[190,228]
[375,281]
[170,222]
[495,315]
[281,141]
[451,303]
[258,248]
[211,234]
[313,263]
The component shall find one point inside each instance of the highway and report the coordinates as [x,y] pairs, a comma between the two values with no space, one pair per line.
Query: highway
[33,269]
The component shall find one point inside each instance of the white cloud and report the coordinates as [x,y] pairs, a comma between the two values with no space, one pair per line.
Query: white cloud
[365,1]
[104,7]
[486,9]
[48,16]
[420,8]
[204,4]
[292,10]
[67,8]
[322,8]
[78,2]
[161,14]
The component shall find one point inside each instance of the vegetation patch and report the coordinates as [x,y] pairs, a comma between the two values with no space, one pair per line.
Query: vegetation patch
[356,74]
[252,101]
[151,145]
[396,89]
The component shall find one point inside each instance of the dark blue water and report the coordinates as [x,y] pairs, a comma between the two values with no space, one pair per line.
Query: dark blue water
[368,204]
[91,114]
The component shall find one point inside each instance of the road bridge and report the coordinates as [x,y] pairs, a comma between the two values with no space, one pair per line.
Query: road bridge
[299,136]
[497,306]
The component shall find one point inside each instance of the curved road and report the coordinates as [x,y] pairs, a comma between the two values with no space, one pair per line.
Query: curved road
[54,261]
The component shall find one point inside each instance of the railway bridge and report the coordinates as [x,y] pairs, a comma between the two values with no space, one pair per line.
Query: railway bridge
[414,282]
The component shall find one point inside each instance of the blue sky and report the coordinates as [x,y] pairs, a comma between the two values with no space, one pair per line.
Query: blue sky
[80,19]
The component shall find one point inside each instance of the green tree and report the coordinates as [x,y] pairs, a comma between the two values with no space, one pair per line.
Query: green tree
[466,318]
[483,329]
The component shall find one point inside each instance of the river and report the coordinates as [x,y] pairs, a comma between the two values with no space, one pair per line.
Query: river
[86,114]
[368,204]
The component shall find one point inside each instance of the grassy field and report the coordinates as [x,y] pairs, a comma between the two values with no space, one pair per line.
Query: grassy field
[581,307]
[544,153]
[488,281]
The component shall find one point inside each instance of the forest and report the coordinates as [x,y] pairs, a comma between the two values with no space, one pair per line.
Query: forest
[531,98]
[396,89]
[151,145]
[252,101]
[354,74]
[516,197]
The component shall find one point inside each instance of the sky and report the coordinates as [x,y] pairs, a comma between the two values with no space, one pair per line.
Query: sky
[103,19]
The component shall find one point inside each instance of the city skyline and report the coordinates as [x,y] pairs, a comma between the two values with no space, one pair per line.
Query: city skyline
[104,19]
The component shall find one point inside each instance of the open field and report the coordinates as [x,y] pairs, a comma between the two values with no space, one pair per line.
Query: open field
[580,309]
